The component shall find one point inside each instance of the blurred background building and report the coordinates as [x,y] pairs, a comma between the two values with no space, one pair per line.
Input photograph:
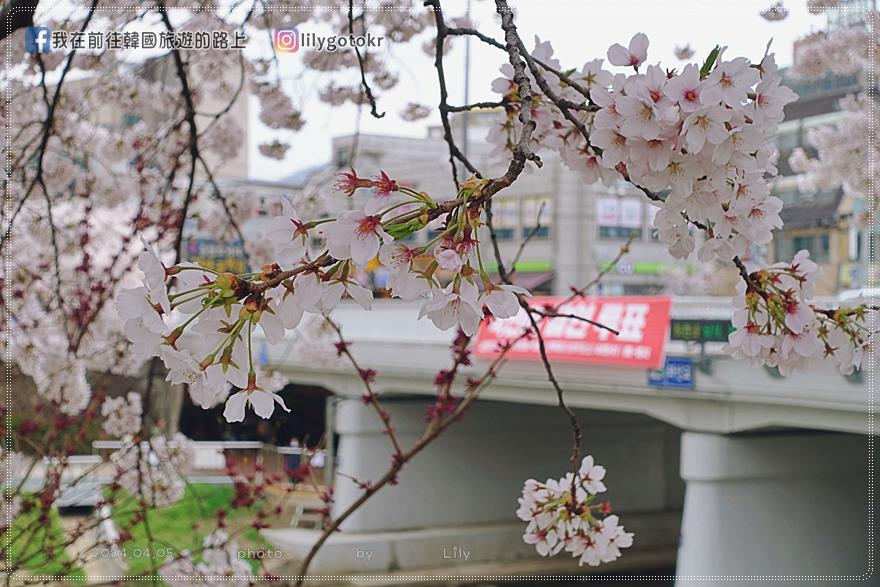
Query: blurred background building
[574,229]
[832,225]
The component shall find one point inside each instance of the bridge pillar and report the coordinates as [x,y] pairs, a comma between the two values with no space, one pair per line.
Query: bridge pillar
[458,497]
[780,504]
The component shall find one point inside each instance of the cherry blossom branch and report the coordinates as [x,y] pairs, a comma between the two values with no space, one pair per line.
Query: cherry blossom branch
[431,433]
[194,151]
[362,62]
[454,151]
[366,376]
[48,125]
[565,106]
[477,106]
[532,234]
[462,31]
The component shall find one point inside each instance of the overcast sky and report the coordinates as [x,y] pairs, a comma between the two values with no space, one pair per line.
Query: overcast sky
[579,30]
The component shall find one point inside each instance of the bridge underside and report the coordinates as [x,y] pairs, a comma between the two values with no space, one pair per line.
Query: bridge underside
[775,503]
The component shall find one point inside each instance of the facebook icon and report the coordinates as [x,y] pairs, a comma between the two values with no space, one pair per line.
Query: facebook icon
[36,39]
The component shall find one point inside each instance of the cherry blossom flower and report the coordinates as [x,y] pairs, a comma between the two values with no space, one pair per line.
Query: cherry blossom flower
[145,342]
[349,182]
[706,124]
[591,476]
[780,327]
[592,75]
[641,119]
[307,291]
[798,316]
[448,259]
[615,538]
[356,236]
[288,235]
[409,286]
[730,83]
[683,52]
[207,395]
[134,304]
[274,150]
[633,56]
[685,88]
[413,112]
[748,338]
[545,541]
[450,308]
[60,377]
[502,300]
[383,188]
[154,271]
[770,100]
[397,256]
[775,12]
[189,278]
[333,292]
[262,402]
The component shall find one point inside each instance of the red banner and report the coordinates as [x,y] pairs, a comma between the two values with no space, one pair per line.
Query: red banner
[642,323]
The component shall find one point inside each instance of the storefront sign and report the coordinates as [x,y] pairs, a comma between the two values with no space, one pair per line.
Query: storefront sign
[216,255]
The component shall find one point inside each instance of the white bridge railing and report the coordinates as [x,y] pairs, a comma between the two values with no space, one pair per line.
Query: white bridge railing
[250,456]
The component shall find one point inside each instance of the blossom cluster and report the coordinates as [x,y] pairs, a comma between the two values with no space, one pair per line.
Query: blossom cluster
[455,251]
[840,51]
[562,515]
[842,150]
[221,311]
[775,12]
[698,141]
[59,377]
[221,564]
[122,415]
[776,325]
[10,463]
[153,469]
[842,147]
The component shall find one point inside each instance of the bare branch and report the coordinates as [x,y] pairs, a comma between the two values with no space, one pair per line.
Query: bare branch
[362,62]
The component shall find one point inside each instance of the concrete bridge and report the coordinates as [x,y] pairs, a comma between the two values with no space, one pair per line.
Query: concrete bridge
[747,474]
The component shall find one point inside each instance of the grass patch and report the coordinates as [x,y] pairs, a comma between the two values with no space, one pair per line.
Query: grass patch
[183,526]
[37,547]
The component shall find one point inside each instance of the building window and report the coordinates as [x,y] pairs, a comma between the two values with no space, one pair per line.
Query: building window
[504,214]
[819,246]
[854,243]
[531,207]
[619,232]
[650,213]
[619,218]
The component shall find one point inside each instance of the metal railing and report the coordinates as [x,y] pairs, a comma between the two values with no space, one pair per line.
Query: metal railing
[249,456]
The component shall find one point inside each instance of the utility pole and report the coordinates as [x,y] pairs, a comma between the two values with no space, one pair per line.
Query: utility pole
[467,88]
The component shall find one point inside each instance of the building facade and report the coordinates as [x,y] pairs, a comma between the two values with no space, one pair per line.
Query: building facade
[831,224]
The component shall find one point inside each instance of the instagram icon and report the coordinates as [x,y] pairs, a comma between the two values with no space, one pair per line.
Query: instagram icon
[286,40]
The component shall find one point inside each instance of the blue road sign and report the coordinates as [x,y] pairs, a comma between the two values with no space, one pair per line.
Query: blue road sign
[677,373]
